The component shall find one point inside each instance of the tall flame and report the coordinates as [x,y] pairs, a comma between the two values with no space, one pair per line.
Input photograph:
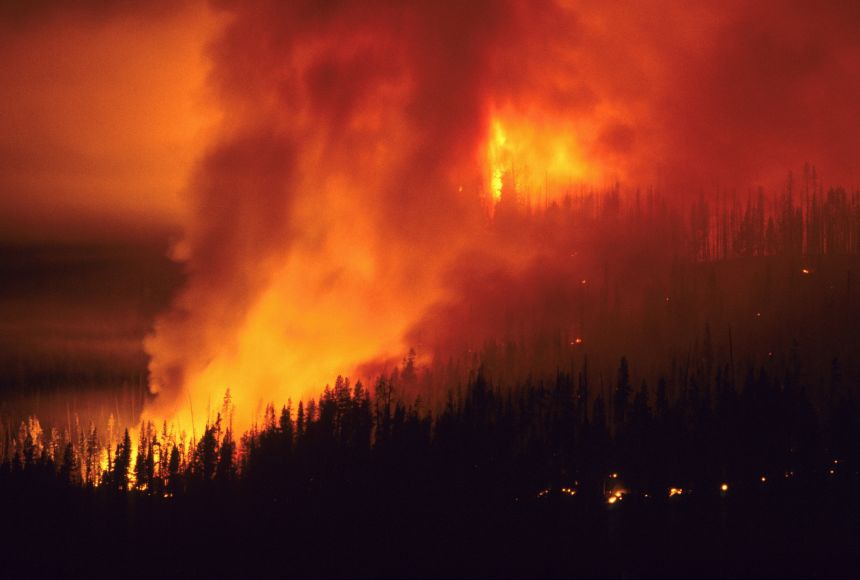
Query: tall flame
[498,158]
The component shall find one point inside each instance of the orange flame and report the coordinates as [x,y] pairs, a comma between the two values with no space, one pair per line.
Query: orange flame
[537,156]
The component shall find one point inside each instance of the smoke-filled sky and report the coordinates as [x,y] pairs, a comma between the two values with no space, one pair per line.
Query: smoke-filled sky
[104,102]
[331,163]
[102,111]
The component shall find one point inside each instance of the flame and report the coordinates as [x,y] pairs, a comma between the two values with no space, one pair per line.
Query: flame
[537,155]
[297,337]
[497,158]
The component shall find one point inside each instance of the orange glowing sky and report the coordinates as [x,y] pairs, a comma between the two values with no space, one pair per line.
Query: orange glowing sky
[104,104]
[102,117]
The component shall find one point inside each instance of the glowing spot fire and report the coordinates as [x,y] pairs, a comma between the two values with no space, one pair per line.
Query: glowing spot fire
[616,495]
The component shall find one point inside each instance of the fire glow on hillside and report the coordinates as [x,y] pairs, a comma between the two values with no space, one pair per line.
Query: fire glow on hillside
[363,149]
[384,288]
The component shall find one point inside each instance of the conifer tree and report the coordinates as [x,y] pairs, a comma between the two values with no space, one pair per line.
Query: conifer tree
[122,463]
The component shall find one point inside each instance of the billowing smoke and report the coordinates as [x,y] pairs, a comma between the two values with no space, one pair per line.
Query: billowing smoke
[366,146]
[348,133]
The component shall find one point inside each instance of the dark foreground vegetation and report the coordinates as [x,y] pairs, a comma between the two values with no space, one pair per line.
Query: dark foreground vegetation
[506,483]
[729,445]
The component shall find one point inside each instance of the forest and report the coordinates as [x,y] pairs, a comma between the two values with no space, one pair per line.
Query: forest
[661,421]
[502,482]
[497,288]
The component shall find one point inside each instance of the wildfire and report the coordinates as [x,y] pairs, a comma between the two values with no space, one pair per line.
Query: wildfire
[536,157]
[497,158]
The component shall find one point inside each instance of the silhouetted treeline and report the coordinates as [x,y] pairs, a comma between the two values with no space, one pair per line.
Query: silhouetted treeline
[698,425]
[501,456]
[499,481]
[804,218]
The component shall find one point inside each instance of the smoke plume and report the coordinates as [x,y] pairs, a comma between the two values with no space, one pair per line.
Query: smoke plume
[344,211]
